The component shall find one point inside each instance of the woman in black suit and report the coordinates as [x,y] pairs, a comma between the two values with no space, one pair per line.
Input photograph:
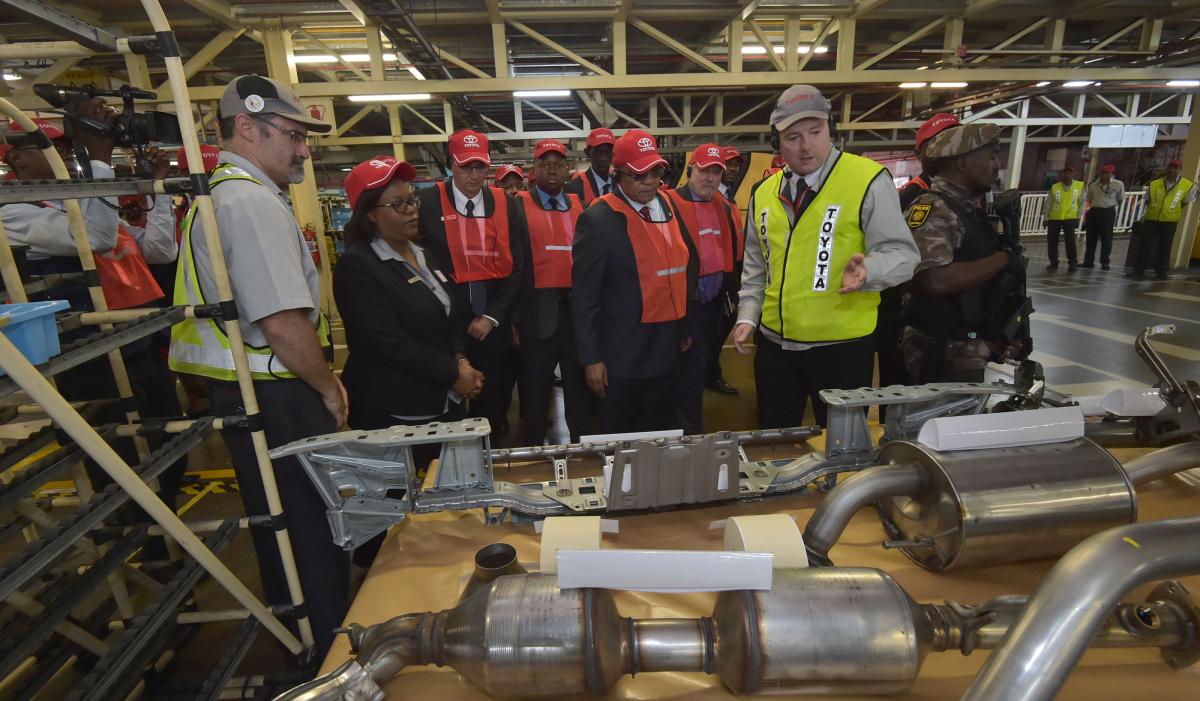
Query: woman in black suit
[406,364]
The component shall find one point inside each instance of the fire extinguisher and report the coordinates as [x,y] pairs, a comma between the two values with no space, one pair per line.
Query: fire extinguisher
[310,239]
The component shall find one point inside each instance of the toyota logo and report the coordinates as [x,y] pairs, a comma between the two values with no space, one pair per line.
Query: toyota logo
[714,152]
[470,140]
[645,143]
[375,162]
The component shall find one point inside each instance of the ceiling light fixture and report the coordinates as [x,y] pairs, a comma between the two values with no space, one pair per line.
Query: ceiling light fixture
[1042,84]
[299,59]
[913,85]
[948,85]
[11,75]
[542,93]
[405,97]
[1178,83]
[756,50]
[1078,83]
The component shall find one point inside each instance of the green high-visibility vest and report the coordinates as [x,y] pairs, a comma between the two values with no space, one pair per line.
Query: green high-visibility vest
[200,346]
[1065,201]
[1167,205]
[804,262]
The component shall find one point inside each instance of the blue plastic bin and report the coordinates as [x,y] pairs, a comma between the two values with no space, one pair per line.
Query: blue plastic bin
[31,328]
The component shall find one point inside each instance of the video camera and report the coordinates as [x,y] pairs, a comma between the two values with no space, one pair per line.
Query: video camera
[131,129]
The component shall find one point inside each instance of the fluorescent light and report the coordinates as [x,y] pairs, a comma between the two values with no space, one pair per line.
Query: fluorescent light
[11,75]
[1078,83]
[922,68]
[1170,83]
[756,50]
[405,97]
[1042,84]
[347,169]
[416,73]
[913,85]
[330,58]
[542,93]
[948,85]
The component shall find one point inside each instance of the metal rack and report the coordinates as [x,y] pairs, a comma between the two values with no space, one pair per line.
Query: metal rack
[68,559]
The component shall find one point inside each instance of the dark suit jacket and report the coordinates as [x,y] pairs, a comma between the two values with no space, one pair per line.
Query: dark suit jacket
[501,294]
[606,299]
[575,185]
[538,310]
[402,343]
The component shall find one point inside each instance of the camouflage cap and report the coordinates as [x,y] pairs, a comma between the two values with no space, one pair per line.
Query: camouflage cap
[961,140]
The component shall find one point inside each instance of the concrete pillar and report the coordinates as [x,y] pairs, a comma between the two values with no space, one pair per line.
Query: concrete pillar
[1187,243]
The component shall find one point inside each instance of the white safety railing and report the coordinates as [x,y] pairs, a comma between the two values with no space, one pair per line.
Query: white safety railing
[1033,204]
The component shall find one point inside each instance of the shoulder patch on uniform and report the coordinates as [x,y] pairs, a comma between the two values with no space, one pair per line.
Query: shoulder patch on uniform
[918,213]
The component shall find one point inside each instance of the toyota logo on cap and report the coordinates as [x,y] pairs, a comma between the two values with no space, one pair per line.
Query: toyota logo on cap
[645,144]
[714,151]
[471,140]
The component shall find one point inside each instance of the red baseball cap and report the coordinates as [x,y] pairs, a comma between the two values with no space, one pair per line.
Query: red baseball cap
[637,151]
[1108,168]
[128,200]
[52,132]
[209,156]
[934,125]
[375,173]
[506,170]
[468,146]
[545,146]
[599,137]
[707,155]
[730,153]
[1177,163]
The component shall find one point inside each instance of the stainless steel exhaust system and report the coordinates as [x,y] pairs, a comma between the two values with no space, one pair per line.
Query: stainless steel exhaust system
[819,630]
[1072,603]
[953,509]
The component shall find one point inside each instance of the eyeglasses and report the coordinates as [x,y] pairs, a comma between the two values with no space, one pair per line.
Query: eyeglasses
[647,177]
[296,137]
[413,203]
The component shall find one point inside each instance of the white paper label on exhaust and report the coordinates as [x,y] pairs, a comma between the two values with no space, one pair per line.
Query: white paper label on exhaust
[1008,429]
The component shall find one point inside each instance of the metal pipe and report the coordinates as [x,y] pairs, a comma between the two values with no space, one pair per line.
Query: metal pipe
[1163,462]
[850,495]
[1120,433]
[671,645]
[1074,600]
[540,452]
[491,561]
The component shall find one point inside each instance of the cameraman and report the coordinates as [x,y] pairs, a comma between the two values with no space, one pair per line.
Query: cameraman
[121,252]
[968,295]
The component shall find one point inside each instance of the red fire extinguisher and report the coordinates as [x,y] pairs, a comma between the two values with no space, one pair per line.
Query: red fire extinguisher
[310,239]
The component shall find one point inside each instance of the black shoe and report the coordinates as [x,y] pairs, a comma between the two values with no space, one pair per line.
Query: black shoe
[1088,266]
[1072,268]
[1104,267]
[723,387]
[1052,266]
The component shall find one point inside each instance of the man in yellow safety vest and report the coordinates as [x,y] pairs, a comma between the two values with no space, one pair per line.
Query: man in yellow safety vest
[1168,195]
[1062,216]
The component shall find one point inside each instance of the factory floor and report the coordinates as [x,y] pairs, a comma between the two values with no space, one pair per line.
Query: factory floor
[1083,329]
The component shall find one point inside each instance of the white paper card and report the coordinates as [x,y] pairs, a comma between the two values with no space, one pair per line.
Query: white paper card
[664,570]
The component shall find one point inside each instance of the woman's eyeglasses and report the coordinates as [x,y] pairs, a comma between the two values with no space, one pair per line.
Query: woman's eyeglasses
[413,203]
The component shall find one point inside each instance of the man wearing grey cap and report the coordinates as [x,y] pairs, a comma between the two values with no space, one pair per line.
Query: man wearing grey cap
[968,298]
[823,237]
[264,131]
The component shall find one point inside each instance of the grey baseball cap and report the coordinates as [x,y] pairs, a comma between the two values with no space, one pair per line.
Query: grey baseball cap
[254,94]
[796,103]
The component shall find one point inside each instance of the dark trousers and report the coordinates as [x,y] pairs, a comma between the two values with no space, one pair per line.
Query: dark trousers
[889,329]
[491,356]
[691,368]
[290,410]
[538,358]
[630,406]
[1068,231]
[1155,246]
[726,319]
[1100,221]
[786,380]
